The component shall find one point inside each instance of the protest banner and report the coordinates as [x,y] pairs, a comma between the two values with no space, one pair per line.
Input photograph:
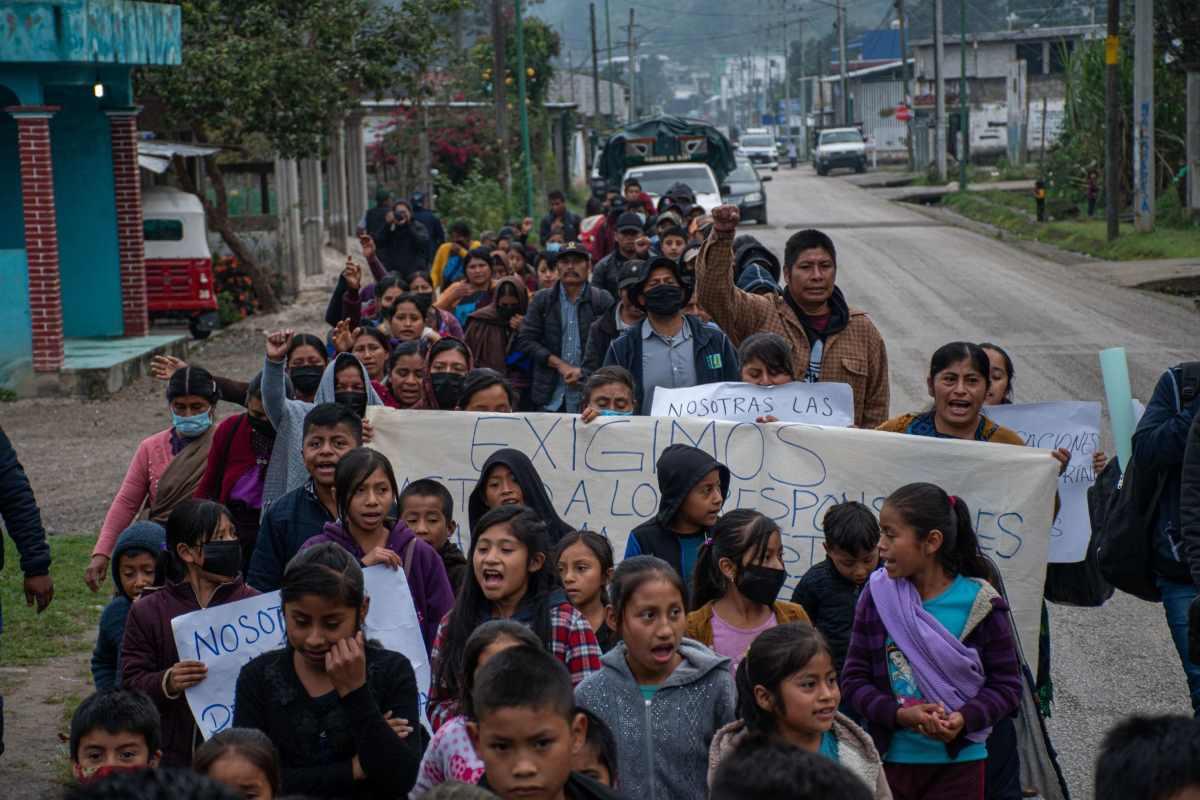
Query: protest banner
[602,476]
[1075,426]
[227,637]
[815,403]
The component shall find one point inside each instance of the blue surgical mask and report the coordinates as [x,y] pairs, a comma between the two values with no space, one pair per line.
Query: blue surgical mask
[190,427]
[612,412]
[553,247]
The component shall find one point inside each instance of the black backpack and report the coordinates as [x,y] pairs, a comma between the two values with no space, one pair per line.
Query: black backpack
[1128,502]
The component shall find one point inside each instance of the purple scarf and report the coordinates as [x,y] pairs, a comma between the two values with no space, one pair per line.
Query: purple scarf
[946,670]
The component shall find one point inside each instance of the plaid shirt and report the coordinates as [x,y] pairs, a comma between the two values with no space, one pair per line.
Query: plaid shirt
[866,685]
[855,355]
[571,641]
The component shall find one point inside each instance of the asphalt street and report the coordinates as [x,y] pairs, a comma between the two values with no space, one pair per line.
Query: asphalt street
[925,284]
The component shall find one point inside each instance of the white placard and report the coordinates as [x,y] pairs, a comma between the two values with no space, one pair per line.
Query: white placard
[602,476]
[228,636]
[1075,426]
[815,403]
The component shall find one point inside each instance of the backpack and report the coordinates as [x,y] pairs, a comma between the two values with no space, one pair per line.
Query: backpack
[1128,505]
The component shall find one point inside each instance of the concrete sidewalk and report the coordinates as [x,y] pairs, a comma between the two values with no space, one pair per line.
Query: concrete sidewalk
[917,193]
[1172,275]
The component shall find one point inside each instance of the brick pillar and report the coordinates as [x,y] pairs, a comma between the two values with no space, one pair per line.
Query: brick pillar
[41,234]
[123,124]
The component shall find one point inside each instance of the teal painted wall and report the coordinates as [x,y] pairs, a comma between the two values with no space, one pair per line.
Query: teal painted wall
[90,31]
[16,342]
[84,200]
[12,224]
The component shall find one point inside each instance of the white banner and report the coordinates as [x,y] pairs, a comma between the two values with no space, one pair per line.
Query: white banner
[226,637]
[815,403]
[1075,426]
[602,476]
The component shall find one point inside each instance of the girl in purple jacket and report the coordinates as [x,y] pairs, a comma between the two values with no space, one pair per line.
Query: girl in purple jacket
[932,664]
[365,491]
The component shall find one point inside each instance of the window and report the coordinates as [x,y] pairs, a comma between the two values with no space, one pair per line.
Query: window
[1031,53]
[162,230]
[1060,53]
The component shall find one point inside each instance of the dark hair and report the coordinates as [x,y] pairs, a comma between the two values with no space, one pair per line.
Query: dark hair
[249,743]
[193,522]
[472,607]
[307,340]
[392,280]
[767,766]
[1008,368]
[674,230]
[326,570]
[555,194]
[481,253]
[446,344]
[507,289]
[154,784]
[601,548]
[1151,758]
[254,388]
[423,274]
[774,656]
[481,639]
[632,182]
[605,376]
[740,532]
[401,202]
[460,226]
[374,333]
[851,527]
[952,353]
[925,507]
[117,711]
[401,350]
[421,301]
[191,380]
[428,487]
[629,576]
[482,378]
[600,738]
[354,468]
[773,350]
[331,415]
[523,677]
[807,240]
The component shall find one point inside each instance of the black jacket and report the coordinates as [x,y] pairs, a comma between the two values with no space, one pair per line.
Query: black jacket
[599,337]
[376,218]
[433,225]
[318,736]
[1189,501]
[536,496]
[22,518]
[541,334]
[404,248]
[604,274]
[455,563]
[570,223]
[829,600]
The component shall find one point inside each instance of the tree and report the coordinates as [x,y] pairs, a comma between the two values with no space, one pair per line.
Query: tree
[283,71]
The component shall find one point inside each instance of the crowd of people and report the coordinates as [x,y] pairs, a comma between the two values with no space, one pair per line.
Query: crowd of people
[557,670]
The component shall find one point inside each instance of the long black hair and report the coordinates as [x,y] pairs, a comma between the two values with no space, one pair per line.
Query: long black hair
[481,639]
[354,468]
[249,743]
[774,655]
[601,548]
[773,350]
[471,608]
[481,379]
[326,570]
[925,508]
[306,339]
[952,353]
[740,532]
[192,523]
[1008,368]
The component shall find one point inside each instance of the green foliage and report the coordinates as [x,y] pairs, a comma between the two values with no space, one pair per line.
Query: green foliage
[541,46]
[478,199]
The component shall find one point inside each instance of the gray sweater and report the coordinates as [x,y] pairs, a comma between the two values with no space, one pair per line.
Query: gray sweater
[286,470]
[662,744]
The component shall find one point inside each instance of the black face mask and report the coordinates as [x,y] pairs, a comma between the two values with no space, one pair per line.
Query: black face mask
[761,584]
[447,386]
[428,295]
[355,401]
[261,425]
[306,379]
[222,558]
[663,300]
[506,313]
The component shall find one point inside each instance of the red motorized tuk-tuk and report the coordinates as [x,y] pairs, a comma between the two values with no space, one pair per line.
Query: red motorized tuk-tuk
[179,269]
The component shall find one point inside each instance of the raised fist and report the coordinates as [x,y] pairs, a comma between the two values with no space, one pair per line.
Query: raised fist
[726,218]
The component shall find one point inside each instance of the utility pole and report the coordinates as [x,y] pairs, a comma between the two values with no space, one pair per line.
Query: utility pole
[843,58]
[904,77]
[526,155]
[787,79]
[631,44]
[964,128]
[1143,116]
[595,71]
[612,108]
[939,78]
[499,95]
[1112,142]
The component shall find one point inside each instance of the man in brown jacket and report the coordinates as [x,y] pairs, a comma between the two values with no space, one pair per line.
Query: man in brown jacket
[830,341]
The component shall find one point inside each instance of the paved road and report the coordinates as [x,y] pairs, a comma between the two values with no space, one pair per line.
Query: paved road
[926,284]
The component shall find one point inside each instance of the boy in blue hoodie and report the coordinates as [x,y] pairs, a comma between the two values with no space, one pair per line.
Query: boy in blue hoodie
[134,562]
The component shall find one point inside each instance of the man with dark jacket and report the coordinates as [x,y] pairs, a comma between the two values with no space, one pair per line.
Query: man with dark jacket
[403,243]
[555,329]
[670,349]
[559,212]
[433,225]
[629,231]
[375,218]
[1161,443]
[623,316]
[23,521]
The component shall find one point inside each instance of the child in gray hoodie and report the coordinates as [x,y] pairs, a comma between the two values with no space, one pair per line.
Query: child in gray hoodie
[663,696]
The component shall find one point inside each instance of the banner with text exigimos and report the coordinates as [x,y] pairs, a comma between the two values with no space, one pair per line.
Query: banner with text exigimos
[602,476]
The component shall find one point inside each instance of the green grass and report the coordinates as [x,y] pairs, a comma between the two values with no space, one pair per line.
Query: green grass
[1015,213]
[66,626]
